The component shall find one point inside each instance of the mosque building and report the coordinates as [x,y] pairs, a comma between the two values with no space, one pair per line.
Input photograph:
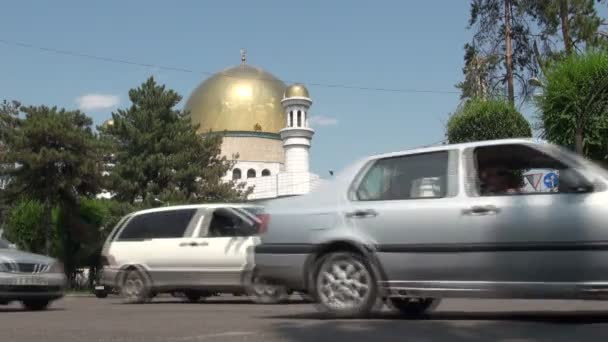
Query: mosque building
[265,128]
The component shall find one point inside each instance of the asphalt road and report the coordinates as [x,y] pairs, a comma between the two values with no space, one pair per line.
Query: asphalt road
[232,319]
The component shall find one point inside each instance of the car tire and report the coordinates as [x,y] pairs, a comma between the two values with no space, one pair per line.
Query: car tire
[36,304]
[135,288]
[260,292]
[342,272]
[101,294]
[414,306]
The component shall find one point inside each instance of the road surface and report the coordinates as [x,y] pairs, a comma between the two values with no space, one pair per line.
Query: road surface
[78,319]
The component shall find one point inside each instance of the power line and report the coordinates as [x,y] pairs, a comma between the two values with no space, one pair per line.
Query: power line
[209,73]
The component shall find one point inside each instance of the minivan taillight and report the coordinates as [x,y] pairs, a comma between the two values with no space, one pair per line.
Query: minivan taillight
[264,220]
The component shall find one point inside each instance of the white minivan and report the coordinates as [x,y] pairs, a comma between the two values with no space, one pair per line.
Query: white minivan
[197,250]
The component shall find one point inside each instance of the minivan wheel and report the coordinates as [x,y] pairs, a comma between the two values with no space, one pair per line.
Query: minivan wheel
[262,292]
[345,285]
[135,289]
[414,306]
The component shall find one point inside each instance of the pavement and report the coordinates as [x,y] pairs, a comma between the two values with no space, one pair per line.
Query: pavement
[84,319]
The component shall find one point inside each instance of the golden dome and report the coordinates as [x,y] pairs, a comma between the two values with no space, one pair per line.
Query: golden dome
[107,123]
[296,90]
[241,98]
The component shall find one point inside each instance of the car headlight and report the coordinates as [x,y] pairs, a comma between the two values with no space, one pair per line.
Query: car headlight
[55,267]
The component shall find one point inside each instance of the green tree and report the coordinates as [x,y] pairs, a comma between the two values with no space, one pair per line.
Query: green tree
[573,106]
[9,112]
[57,158]
[159,156]
[502,38]
[24,226]
[479,120]
[573,22]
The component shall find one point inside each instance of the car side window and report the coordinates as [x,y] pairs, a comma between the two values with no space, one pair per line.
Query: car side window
[517,169]
[226,223]
[157,225]
[406,177]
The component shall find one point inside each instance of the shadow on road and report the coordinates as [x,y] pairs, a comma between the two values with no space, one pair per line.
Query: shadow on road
[577,317]
[448,326]
[212,302]
[22,310]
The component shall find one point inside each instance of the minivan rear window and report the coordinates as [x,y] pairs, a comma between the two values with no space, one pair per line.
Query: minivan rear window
[157,225]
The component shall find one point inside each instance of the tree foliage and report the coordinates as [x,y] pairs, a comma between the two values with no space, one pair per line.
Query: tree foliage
[489,21]
[25,226]
[573,107]
[56,158]
[479,120]
[159,155]
[567,25]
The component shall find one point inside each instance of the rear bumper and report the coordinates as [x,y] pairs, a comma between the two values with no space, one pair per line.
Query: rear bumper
[109,276]
[282,267]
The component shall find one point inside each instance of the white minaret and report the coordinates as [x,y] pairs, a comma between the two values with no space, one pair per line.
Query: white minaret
[296,135]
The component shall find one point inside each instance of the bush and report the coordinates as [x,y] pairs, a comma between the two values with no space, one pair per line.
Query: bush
[481,120]
[25,226]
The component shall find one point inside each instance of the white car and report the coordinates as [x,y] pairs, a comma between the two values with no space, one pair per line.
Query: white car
[197,250]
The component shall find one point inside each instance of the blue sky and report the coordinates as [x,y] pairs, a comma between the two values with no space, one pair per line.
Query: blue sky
[378,44]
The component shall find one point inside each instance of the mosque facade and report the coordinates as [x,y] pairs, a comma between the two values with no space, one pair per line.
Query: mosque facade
[265,126]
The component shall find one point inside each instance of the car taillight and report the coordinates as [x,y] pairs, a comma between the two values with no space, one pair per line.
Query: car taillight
[263,226]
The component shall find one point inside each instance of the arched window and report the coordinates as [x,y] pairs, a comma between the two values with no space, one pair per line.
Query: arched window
[291,119]
[236,174]
[251,173]
[265,173]
[299,118]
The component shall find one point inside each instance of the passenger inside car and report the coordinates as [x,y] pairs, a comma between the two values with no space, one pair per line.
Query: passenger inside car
[222,225]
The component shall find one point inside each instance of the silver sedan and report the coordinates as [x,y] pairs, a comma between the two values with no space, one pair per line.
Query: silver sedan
[509,218]
[35,280]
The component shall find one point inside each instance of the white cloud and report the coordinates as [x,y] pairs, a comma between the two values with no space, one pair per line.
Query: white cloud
[97,101]
[322,120]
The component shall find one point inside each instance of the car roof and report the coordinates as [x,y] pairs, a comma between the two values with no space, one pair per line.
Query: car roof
[195,206]
[460,146]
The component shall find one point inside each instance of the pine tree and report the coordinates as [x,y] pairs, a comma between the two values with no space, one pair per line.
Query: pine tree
[56,158]
[160,157]
[502,35]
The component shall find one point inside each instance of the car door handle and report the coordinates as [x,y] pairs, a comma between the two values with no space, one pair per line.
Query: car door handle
[193,244]
[479,210]
[362,213]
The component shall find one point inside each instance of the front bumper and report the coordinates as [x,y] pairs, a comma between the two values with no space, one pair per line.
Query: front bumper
[21,286]
[286,269]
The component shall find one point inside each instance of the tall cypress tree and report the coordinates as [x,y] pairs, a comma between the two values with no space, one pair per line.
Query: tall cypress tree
[158,154]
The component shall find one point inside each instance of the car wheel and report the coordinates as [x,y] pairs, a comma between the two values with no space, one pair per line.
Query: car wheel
[101,294]
[261,292]
[36,304]
[345,285]
[414,306]
[135,288]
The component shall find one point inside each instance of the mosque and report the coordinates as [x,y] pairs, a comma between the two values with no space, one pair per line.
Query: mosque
[265,125]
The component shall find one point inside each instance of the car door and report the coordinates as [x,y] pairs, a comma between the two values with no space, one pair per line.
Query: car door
[405,206]
[222,246]
[548,232]
[164,246]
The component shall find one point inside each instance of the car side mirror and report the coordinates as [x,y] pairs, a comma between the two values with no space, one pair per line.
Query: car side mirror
[573,182]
